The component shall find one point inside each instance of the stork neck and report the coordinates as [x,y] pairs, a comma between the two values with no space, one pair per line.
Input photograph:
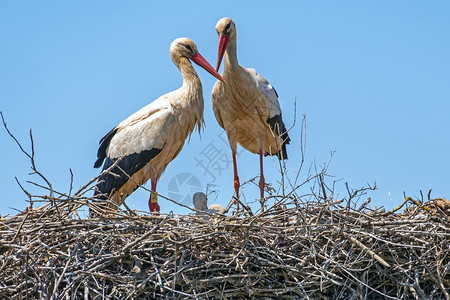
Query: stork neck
[191,94]
[190,77]
[230,58]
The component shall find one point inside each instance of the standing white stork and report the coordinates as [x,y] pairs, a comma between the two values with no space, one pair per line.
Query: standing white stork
[247,106]
[148,140]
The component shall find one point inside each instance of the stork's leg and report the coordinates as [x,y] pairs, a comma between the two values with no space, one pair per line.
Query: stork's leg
[153,201]
[236,179]
[262,180]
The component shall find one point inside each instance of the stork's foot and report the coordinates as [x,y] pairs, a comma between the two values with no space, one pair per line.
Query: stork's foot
[236,201]
[154,208]
[262,201]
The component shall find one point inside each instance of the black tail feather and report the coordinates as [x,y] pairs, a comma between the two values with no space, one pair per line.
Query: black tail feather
[104,143]
[130,164]
[277,125]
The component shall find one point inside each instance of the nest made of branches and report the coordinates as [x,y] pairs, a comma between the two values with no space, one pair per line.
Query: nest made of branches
[309,246]
[310,250]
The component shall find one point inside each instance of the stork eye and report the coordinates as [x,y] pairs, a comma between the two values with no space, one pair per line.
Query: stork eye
[227,27]
[188,47]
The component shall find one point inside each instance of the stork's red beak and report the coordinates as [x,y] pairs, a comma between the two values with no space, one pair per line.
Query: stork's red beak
[223,42]
[199,60]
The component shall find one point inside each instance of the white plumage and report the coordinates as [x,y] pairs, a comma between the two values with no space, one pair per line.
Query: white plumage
[247,106]
[148,140]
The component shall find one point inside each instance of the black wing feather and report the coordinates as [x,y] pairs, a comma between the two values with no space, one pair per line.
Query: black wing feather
[277,125]
[104,143]
[130,164]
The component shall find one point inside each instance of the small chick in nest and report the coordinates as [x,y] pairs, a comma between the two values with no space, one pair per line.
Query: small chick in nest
[442,204]
[201,203]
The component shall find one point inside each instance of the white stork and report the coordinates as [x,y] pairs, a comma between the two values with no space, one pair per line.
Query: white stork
[148,140]
[247,106]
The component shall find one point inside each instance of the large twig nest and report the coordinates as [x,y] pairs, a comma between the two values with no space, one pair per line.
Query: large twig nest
[317,250]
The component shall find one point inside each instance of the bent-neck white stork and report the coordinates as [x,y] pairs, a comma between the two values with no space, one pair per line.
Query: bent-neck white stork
[247,106]
[148,140]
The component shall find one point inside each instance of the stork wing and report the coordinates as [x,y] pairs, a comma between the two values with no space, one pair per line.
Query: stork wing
[136,141]
[272,105]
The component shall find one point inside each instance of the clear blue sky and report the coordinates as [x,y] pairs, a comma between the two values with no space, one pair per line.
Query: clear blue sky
[373,79]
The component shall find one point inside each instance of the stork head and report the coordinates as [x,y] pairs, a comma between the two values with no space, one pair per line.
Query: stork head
[226,29]
[200,201]
[184,47]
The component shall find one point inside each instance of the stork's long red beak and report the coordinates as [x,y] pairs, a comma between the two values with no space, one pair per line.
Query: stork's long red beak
[199,60]
[223,42]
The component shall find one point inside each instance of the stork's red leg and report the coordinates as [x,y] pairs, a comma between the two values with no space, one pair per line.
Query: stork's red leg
[153,201]
[262,180]
[236,179]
